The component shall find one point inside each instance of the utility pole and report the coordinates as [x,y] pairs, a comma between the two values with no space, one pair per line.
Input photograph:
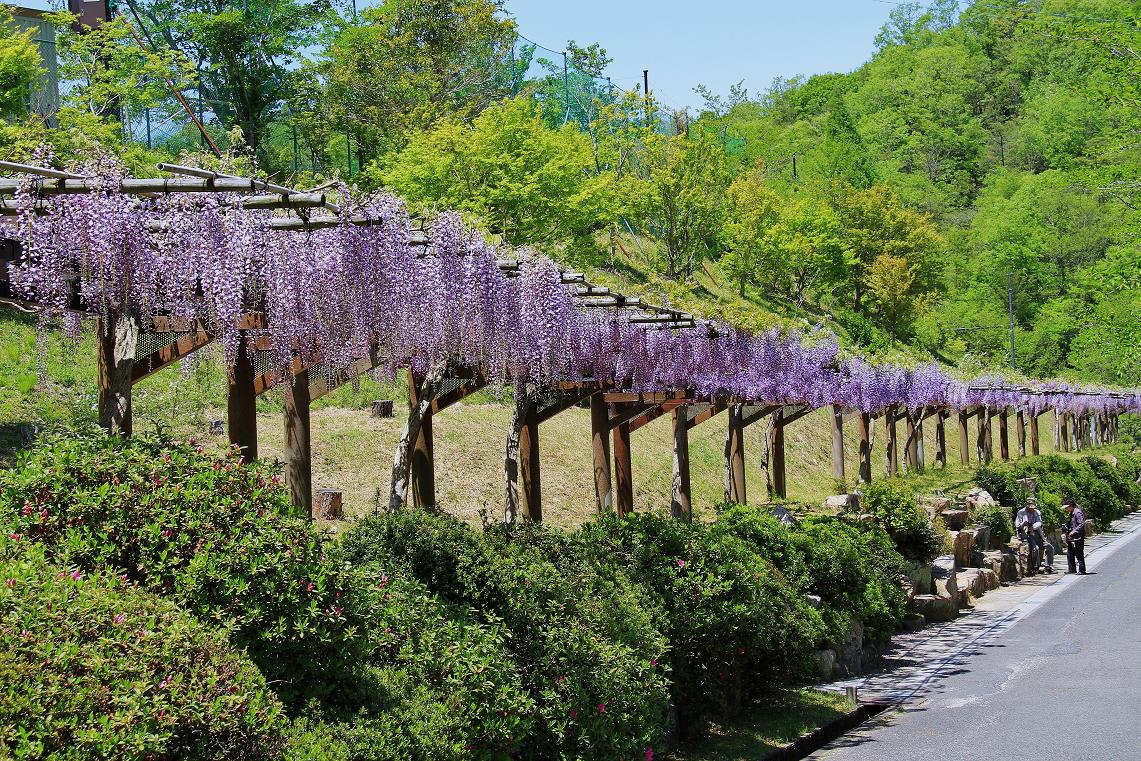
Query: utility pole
[794,177]
[646,92]
[566,92]
[1010,305]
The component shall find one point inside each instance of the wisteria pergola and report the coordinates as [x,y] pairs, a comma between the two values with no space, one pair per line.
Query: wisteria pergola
[308,293]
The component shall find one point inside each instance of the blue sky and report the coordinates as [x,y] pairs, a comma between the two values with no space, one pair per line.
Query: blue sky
[716,42]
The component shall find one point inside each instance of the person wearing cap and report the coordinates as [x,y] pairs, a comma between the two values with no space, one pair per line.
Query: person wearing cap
[1075,529]
[1028,524]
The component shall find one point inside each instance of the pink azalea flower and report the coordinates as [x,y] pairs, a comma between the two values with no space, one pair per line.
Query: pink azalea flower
[653,662]
[650,753]
[120,618]
[602,708]
[11,583]
[573,714]
[76,575]
[14,537]
[680,563]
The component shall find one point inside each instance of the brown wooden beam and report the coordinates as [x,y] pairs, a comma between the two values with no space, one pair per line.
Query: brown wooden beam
[941,438]
[1003,435]
[422,462]
[298,453]
[653,413]
[461,392]
[892,443]
[116,343]
[1034,442]
[241,403]
[837,443]
[600,440]
[964,438]
[1020,431]
[791,414]
[168,355]
[776,455]
[530,489]
[623,475]
[681,503]
[647,398]
[865,422]
[565,402]
[323,385]
[752,413]
[624,412]
[735,457]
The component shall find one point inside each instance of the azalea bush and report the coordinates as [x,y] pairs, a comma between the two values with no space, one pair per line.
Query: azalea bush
[894,506]
[1075,478]
[589,655]
[213,534]
[95,667]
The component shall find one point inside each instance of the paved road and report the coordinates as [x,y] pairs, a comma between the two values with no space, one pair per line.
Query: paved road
[1062,683]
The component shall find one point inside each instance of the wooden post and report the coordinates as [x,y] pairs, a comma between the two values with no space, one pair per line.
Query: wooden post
[1064,431]
[1034,443]
[422,463]
[964,438]
[941,438]
[680,504]
[837,443]
[982,435]
[241,402]
[892,443]
[530,492]
[776,456]
[1003,435]
[297,451]
[623,475]
[1020,431]
[920,447]
[865,431]
[735,456]
[600,436]
[116,347]
[912,446]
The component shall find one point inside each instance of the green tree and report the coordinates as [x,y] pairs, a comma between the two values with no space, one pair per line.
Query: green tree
[847,156]
[20,67]
[891,282]
[754,210]
[414,62]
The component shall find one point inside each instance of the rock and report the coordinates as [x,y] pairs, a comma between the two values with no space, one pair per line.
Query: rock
[913,622]
[934,608]
[907,587]
[1029,484]
[935,506]
[837,503]
[975,582]
[813,600]
[954,520]
[825,663]
[866,518]
[919,574]
[944,581]
[963,543]
[982,542]
[783,515]
[382,408]
[979,497]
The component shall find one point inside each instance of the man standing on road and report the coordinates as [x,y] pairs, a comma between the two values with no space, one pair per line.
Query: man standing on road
[1075,536]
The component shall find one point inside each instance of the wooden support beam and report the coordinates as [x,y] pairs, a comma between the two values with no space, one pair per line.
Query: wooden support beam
[600,440]
[920,446]
[461,392]
[116,345]
[422,463]
[735,457]
[941,438]
[168,355]
[710,411]
[752,413]
[623,473]
[1034,443]
[1020,431]
[241,403]
[653,413]
[680,502]
[892,443]
[323,385]
[298,453]
[530,491]
[1064,431]
[625,412]
[837,443]
[647,398]
[866,421]
[790,414]
[911,446]
[1003,435]
[964,438]
[776,456]
[564,403]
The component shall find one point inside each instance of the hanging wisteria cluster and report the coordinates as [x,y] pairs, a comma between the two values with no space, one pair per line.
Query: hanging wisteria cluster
[349,290]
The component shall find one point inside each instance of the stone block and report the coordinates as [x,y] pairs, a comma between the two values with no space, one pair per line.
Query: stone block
[813,600]
[963,543]
[825,663]
[783,515]
[935,608]
[944,580]
[979,497]
[849,652]
[919,575]
[913,622]
[975,582]
[954,520]
[840,503]
[982,540]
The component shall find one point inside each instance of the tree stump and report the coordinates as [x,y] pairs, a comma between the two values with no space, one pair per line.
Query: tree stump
[382,408]
[327,505]
[217,427]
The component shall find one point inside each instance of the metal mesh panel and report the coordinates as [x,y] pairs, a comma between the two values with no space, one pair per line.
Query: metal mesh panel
[448,386]
[149,343]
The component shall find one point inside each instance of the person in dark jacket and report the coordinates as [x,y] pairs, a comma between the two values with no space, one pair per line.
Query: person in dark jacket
[1075,529]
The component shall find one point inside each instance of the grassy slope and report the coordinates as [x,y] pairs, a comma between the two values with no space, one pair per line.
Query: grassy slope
[353,452]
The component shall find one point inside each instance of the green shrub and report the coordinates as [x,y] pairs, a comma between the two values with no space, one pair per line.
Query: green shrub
[1002,485]
[1050,505]
[735,627]
[215,535]
[1075,478]
[94,667]
[585,642]
[771,539]
[997,519]
[895,508]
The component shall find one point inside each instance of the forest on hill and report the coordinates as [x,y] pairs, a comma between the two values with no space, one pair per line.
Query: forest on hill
[984,162]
